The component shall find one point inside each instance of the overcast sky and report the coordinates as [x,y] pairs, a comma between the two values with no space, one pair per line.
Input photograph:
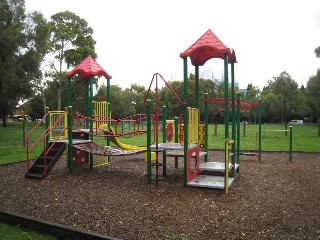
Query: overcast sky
[137,38]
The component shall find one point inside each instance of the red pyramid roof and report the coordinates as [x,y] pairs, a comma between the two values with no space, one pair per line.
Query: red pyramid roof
[206,47]
[88,67]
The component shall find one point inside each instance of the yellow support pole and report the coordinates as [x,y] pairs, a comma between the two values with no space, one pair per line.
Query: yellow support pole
[226,165]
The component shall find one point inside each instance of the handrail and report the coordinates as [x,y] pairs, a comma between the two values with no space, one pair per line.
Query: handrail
[29,135]
[155,76]
[43,135]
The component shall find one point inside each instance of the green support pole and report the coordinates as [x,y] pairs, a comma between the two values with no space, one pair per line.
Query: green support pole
[148,141]
[108,113]
[87,104]
[91,117]
[70,157]
[164,139]
[226,97]
[69,91]
[206,124]
[176,138]
[238,129]
[176,129]
[70,153]
[164,123]
[226,119]
[185,118]
[196,72]
[290,145]
[259,137]
[233,129]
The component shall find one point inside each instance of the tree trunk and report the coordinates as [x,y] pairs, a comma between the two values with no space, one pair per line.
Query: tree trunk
[59,98]
[4,121]
[44,103]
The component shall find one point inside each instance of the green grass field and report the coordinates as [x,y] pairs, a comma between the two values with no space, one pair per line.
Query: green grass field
[9,232]
[305,139]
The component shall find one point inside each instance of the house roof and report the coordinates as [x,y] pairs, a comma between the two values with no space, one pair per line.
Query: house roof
[206,47]
[88,67]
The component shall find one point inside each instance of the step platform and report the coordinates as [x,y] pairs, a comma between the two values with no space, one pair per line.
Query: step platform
[206,181]
[180,153]
[214,166]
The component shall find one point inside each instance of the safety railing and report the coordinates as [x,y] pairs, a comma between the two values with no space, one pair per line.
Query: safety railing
[54,122]
[60,121]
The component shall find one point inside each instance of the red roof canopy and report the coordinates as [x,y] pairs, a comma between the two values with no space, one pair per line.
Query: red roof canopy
[206,47]
[88,67]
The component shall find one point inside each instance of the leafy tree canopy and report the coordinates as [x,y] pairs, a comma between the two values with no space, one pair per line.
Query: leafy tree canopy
[71,41]
[23,39]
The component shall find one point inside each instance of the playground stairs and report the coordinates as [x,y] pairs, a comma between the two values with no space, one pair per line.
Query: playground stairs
[212,175]
[36,171]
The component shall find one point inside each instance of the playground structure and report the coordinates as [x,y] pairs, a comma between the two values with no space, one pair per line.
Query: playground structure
[59,134]
[183,137]
[193,148]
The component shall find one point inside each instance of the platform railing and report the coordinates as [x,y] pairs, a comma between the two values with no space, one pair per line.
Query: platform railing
[58,122]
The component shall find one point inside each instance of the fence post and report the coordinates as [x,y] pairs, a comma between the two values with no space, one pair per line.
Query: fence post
[290,145]
[24,130]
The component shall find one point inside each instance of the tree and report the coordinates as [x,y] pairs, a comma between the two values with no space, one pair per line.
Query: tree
[271,107]
[252,96]
[138,97]
[317,52]
[313,89]
[299,107]
[71,41]
[22,49]
[286,89]
[35,105]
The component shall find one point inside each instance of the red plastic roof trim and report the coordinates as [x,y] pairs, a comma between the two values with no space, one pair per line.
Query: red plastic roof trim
[88,67]
[206,47]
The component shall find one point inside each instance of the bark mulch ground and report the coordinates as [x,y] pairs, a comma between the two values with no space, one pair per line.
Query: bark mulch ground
[270,199]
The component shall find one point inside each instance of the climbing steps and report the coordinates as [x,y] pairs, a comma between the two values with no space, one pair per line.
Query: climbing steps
[208,181]
[211,175]
[37,171]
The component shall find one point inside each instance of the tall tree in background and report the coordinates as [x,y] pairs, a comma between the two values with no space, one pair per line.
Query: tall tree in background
[286,89]
[71,42]
[313,91]
[252,96]
[22,50]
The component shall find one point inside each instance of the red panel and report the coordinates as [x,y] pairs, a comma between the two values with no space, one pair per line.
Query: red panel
[190,174]
[79,157]
[169,132]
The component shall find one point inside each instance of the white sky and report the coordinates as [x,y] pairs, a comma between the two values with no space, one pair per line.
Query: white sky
[137,38]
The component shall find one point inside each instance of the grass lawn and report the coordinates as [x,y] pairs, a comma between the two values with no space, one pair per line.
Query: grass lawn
[8,232]
[305,139]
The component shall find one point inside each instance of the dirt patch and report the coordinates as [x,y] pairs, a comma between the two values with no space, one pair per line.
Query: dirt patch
[270,199]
